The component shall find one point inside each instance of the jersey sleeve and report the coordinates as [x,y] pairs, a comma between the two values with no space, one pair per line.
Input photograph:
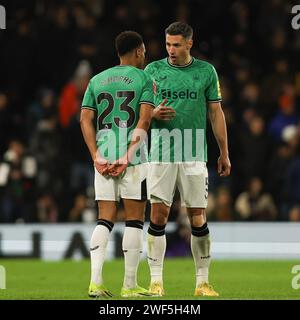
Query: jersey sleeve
[213,91]
[148,91]
[88,101]
[149,70]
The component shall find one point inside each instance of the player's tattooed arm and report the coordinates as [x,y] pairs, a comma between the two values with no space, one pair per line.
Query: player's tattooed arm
[218,124]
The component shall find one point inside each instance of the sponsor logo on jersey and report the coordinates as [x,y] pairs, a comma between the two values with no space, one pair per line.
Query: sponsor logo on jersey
[183,94]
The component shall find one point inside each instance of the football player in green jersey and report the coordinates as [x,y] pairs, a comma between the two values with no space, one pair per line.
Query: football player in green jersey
[179,150]
[121,99]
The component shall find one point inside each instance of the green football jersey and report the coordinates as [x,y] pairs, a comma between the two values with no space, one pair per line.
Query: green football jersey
[188,89]
[116,95]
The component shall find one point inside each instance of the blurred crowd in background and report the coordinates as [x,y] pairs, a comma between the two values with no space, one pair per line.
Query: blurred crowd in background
[51,49]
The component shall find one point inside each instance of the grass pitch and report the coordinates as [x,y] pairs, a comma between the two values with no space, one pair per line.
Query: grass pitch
[34,279]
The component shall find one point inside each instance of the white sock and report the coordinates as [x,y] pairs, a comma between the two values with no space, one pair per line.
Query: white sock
[201,253]
[132,247]
[156,248]
[98,246]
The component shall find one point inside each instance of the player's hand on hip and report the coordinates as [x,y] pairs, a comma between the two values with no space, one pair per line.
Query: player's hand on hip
[118,167]
[162,112]
[224,166]
[101,165]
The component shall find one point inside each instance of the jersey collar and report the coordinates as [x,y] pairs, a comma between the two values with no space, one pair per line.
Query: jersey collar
[180,67]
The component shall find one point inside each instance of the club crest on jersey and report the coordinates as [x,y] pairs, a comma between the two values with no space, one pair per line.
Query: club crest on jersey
[162,78]
[183,94]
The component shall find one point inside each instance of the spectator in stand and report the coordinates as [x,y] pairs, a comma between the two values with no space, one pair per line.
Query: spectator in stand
[47,210]
[254,149]
[18,171]
[72,93]
[46,146]
[277,171]
[287,114]
[221,208]
[5,122]
[291,187]
[254,204]
[41,109]
[81,212]
[294,214]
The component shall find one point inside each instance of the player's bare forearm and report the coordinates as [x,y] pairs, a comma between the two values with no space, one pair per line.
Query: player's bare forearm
[138,136]
[89,135]
[218,124]
[88,130]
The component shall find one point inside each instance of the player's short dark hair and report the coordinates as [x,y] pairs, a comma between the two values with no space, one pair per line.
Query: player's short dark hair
[127,41]
[180,28]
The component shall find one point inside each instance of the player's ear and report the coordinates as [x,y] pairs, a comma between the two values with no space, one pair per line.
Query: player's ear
[190,43]
[138,52]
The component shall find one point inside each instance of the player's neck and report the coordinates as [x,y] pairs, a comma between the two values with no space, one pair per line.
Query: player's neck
[187,60]
[128,62]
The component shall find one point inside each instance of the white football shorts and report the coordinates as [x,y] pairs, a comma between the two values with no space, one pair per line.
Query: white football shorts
[191,178]
[130,185]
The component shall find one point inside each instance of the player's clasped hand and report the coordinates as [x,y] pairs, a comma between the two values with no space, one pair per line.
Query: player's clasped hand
[114,169]
[224,166]
[162,112]
[101,165]
[118,167]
